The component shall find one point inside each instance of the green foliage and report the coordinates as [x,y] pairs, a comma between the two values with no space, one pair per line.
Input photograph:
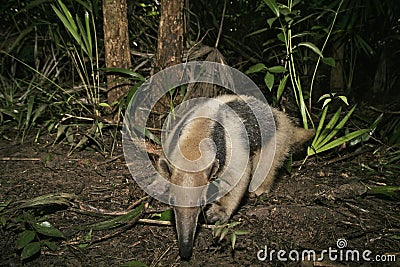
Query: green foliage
[39,100]
[26,219]
[388,159]
[164,216]
[220,231]
[295,47]
[299,46]
[116,221]
[388,192]
[134,264]
[324,137]
[85,45]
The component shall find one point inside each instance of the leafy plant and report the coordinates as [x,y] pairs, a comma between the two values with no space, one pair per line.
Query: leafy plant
[220,231]
[293,42]
[325,133]
[298,46]
[85,47]
[82,48]
[36,234]
[26,219]
[116,221]
[388,192]
[269,78]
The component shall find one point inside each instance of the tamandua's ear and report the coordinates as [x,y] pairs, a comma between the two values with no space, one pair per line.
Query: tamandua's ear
[214,168]
[164,168]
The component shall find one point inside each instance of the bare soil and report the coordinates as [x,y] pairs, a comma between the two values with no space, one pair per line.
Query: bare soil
[309,209]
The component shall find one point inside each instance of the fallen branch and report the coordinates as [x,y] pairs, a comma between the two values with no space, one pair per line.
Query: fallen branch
[19,159]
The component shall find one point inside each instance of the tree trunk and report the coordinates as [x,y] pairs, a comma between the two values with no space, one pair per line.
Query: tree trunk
[116,44]
[170,34]
[337,80]
[169,50]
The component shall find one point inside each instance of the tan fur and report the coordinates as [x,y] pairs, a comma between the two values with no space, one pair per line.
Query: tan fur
[263,163]
[287,137]
[189,145]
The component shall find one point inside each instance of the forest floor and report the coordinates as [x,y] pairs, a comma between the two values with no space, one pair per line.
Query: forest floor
[324,207]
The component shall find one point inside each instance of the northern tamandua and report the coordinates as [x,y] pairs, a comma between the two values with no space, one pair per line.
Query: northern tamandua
[214,144]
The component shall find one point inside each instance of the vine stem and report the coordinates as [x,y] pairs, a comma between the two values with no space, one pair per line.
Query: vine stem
[319,57]
[297,89]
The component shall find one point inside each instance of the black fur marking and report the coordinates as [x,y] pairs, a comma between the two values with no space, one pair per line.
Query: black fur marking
[218,136]
[250,122]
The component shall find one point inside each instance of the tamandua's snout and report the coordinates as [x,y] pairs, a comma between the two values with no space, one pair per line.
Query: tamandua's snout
[214,144]
[186,224]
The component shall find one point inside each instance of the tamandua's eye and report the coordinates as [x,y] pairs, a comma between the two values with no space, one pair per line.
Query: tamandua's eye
[202,202]
[172,200]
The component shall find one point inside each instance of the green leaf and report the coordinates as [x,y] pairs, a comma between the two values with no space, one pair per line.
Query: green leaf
[329,128]
[339,141]
[85,46]
[257,32]
[361,43]
[38,112]
[344,99]
[166,215]
[25,238]
[271,21]
[134,264]
[273,6]
[277,69]
[31,101]
[320,124]
[68,16]
[51,245]
[47,230]
[69,23]
[4,205]
[256,68]
[326,102]
[3,221]
[163,216]
[224,232]
[48,200]
[233,224]
[117,221]
[127,72]
[330,61]
[281,37]
[285,10]
[103,104]
[88,33]
[340,126]
[30,250]
[390,192]
[313,47]
[269,80]
[233,241]
[241,232]
[281,87]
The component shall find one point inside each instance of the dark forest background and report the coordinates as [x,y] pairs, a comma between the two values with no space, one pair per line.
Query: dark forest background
[304,55]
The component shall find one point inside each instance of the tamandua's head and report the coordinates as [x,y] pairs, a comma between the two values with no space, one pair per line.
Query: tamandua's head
[186,216]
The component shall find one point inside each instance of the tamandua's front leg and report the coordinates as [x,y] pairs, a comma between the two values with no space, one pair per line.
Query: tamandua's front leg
[222,209]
